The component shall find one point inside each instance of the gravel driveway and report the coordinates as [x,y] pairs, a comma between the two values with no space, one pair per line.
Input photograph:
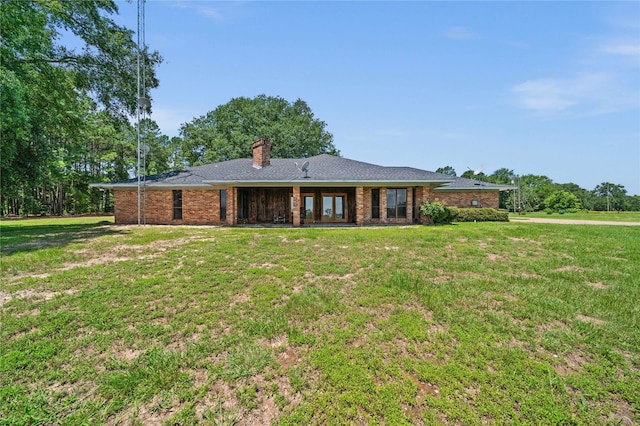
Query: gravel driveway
[573,221]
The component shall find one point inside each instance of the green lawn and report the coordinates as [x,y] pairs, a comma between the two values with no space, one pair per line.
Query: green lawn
[499,323]
[608,216]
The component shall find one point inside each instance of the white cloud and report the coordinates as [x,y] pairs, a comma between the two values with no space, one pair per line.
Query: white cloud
[584,94]
[620,48]
[206,11]
[461,33]
[543,95]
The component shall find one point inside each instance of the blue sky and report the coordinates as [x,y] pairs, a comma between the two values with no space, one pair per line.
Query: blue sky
[548,88]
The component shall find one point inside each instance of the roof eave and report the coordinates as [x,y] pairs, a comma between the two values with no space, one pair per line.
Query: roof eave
[150,185]
[475,188]
[319,183]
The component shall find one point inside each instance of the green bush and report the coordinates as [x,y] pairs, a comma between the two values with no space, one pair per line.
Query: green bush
[479,215]
[562,202]
[437,212]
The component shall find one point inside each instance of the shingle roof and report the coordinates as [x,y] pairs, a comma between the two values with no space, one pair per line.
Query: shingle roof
[323,169]
[460,184]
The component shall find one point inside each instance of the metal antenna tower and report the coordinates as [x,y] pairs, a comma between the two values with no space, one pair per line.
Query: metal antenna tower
[142,106]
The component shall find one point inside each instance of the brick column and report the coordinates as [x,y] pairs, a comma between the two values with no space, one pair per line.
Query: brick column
[296,206]
[426,196]
[383,205]
[367,205]
[232,202]
[359,205]
[410,205]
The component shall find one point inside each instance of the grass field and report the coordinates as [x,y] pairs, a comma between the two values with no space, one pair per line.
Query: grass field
[498,323]
[608,216]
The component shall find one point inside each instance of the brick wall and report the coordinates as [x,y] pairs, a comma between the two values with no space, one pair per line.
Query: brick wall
[199,207]
[489,199]
[125,206]
[202,207]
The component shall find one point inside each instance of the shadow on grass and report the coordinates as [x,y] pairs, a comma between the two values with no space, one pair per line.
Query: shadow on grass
[17,239]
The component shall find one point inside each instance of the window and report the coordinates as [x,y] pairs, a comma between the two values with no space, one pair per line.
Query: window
[375,204]
[177,204]
[327,207]
[223,204]
[306,210]
[308,207]
[396,203]
[243,204]
[334,207]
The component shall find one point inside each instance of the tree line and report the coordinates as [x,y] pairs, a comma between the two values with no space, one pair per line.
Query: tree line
[539,192]
[67,109]
[66,118]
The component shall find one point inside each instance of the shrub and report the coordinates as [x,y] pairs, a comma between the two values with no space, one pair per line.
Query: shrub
[437,212]
[562,202]
[480,215]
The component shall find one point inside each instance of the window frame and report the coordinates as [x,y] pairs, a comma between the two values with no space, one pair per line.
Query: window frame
[394,209]
[345,207]
[375,203]
[177,204]
[223,204]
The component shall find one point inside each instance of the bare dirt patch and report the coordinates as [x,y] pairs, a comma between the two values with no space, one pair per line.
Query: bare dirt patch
[572,362]
[264,415]
[424,389]
[524,240]
[555,325]
[499,298]
[599,285]
[492,257]
[313,278]
[158,411]
[569,268]
[5,297]
[126,354]
[527,275]
[622,414]
[288,358]
[200,377]
[426,314]
[32,295]
[592,320]
[279,341]
[437,328]
[118,253]
[240,298]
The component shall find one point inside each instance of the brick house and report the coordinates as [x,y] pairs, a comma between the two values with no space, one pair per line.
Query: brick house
[463,192]
[321,189]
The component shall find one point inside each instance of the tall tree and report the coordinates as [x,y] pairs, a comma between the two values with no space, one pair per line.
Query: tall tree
[502,176]
[585,197]
[159,157]
[610,196]
[533,190]
[228,131]
[46,86]
[447,170]
[470,174]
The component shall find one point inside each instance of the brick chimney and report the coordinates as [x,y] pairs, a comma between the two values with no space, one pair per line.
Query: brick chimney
[261,153]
